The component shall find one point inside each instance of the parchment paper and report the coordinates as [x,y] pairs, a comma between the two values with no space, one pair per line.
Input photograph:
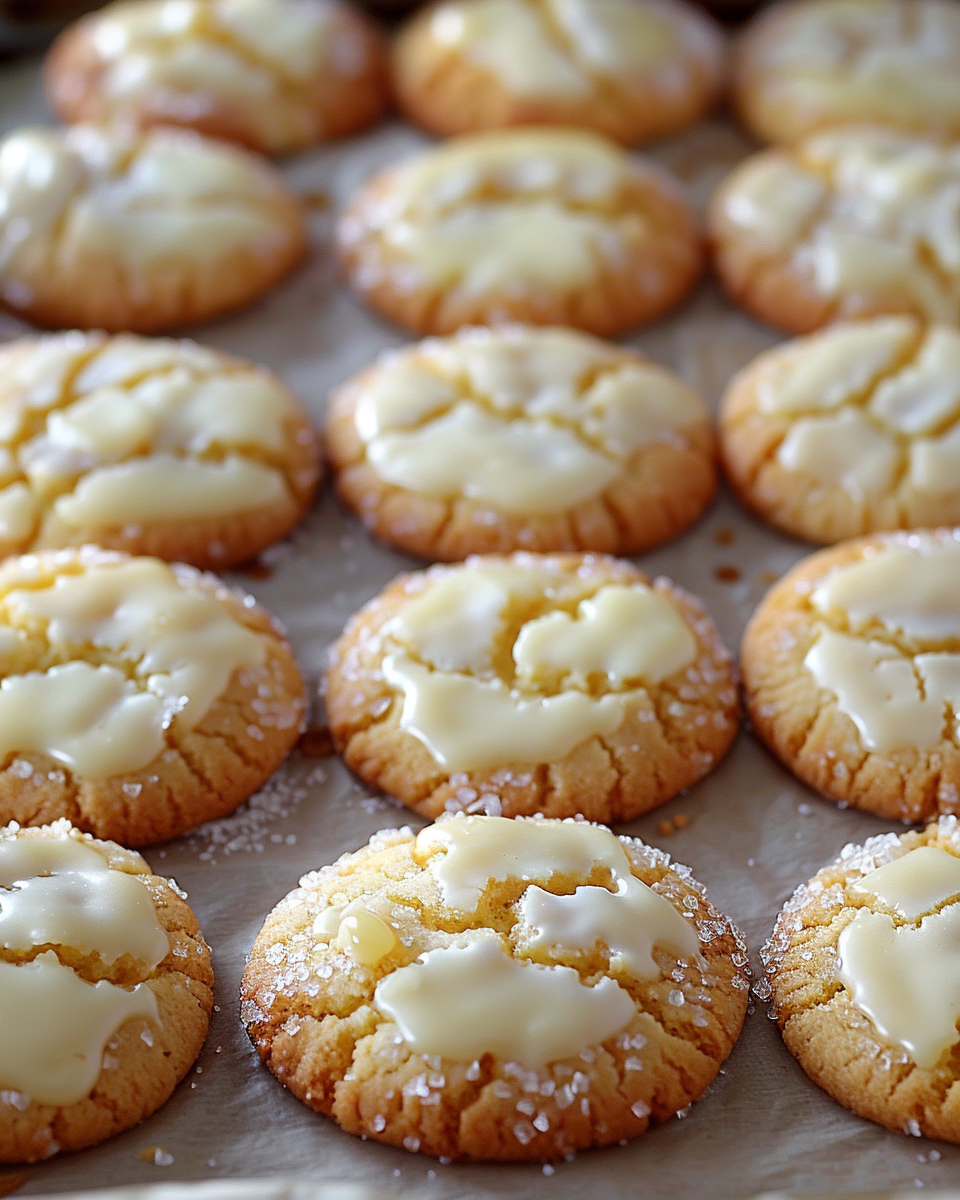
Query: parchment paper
[754,833]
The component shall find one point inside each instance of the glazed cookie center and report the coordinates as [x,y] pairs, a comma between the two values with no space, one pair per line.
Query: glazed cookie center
[860,213]
[509,664]
[124,651]
[886,645]
[900,60]
[526,426]
[513,215]
[60,892]
[873,407]
[165,196]
[110,434]
[903,971]
[556,48]
[467,1000]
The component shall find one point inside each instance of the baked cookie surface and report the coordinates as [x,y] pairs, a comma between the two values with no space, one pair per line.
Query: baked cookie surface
[105,990]
[558,684]
[519,438]
[806,65]
[633,70]
[863,964]
[148,446]
[275,75]
[120,230]
[496,989]
[552,227]
[852,430]
[137,699]
[851,673]
[852,223]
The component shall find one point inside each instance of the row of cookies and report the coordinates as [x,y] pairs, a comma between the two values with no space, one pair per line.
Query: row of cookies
[278,76]
[485,989]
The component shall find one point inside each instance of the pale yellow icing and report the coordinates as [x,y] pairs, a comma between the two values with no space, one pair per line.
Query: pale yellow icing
[184,643]
[166,488]
[888,61]
[896,702]
[139,204]
[463,1002]
[925,394]
[509,212]
[125,443]
[918,882]
[836,366]
[906,979]
[469,717]
[915,590]
[362,934]
[57,1027]
[775,200]
[517,466]
[555,51]
[842,448]
[468,724]
[528,421]
[626,633]
[935,463]
[24,858]
[87,907]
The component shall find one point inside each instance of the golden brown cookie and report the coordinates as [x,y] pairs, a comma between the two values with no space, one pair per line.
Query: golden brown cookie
[275,75]
[806,65]
[552,227]
[558,684]
[519,438]
[105,990]
[137,699]
[852,223]
[864,969]
[119,230]
[148,446]
[852,430]
[496,989]
[630,69]
[851,669]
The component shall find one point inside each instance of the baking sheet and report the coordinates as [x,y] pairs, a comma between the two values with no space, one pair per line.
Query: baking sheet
[753,834]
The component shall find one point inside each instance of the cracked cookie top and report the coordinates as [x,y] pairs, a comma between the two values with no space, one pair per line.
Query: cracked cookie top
[125,684]
[521,438]
[551,226]
[122,230]
[631,69]
[147,445]
[562,684]
[852,430]
[805,65]
[497,989]
[275,75]
[100,1015]
[850,223]
[852,672]
[864,969]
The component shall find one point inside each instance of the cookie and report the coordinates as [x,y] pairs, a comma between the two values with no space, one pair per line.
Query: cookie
[864,971]
[806,65]
[519,438]
[557,684]
[105,990]
[118,230]
[630,69]
[850,431]
[851,223]
[137,699]
[274,75]
[549,226]
[852,675]
[148,446]
[496,989]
